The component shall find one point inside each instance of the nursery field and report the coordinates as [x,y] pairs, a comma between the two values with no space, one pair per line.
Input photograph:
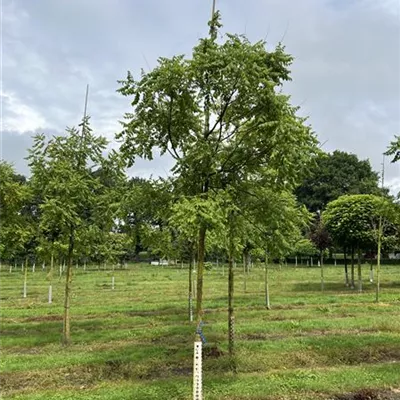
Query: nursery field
[136,342]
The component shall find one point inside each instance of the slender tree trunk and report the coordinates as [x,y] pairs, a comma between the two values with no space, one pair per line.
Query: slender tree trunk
[346,271]
[266,283]
[231,316]
[25,277]
[371,270]
[190,297]
[200,273]
[352,267]
[359,269]
[51,278]
[244,272]
[322,272]
[378,260]
[67,299]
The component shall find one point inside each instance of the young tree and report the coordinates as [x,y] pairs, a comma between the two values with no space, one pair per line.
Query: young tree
[219,113]
[74,199]
[322,240]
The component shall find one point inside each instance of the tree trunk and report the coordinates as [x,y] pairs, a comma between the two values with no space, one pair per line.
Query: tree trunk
[322,272]
[359,269]
[266,283]
[25,277]
[51,278]
[371,270]
[378,260]
[321,257]
[190,297]
[200,273]
[231,316]
[67,299]
[244,272]
[352,267]
[346,271]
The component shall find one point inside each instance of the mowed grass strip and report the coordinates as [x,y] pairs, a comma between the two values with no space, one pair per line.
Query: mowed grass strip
[136,342]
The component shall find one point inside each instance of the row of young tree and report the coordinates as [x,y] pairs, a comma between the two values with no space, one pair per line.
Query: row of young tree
[241,154]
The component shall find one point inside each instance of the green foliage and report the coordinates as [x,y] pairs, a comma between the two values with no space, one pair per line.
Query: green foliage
[305,247]
[334,175]
[72,177]
[17,228]
[394,149]
[353,220]
[145,210]
[278,219]
[189,213]
[219,114]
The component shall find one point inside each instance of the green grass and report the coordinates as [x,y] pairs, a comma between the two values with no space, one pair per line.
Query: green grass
[135,342]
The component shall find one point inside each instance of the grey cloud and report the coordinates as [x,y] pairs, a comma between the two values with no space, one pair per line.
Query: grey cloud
[13,148]
[346,72]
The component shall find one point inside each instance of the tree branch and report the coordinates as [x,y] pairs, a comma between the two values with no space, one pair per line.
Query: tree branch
[176,157]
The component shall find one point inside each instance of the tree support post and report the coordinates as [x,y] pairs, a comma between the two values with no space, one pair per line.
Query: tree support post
[197,369]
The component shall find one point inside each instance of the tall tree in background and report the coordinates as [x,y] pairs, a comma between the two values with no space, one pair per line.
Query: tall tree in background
[334,175]
[219,114]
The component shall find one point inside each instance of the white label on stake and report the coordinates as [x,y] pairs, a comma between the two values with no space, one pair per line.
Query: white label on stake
[197,372]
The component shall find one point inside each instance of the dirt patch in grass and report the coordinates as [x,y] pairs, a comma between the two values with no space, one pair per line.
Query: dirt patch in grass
[370,394]
[311,333]
[212,352]
[42,318]
[369,355]
[88,375]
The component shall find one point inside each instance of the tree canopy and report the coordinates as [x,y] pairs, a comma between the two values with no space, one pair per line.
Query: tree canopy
[353,220]
[222,116]
[334,175]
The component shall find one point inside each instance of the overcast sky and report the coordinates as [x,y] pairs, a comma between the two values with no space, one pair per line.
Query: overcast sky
[346,73]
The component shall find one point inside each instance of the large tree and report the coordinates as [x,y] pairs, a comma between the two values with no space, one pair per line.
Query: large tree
[335,174]
[220,115]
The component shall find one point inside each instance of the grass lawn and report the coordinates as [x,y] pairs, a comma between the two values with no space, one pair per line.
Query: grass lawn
[135,342]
